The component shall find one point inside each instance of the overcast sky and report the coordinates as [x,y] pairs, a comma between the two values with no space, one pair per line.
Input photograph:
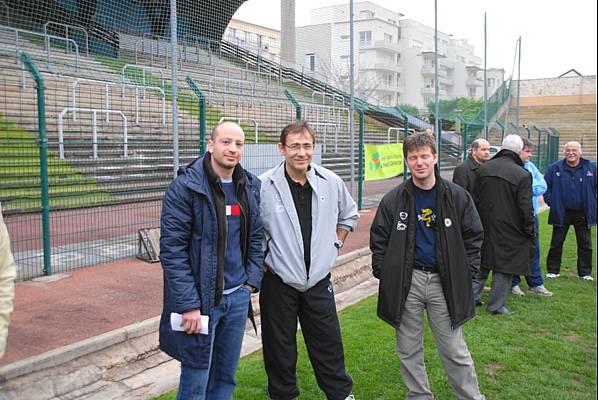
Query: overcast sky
[556,35]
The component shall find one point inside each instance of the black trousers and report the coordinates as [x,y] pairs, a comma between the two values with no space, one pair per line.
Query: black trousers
[584,243]
[280,306]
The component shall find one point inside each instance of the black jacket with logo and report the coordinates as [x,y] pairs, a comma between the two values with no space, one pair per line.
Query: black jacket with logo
[458,242]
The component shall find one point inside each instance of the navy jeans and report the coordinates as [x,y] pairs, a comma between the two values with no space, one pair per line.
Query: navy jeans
[227,327]
[535,279]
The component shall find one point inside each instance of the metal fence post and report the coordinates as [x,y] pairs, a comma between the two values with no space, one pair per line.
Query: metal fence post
[360,176]
[405,134]
[43,158]
[293,100]
[202,113]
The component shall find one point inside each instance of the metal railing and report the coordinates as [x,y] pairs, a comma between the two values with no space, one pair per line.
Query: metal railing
[325,140]
[47,44]
[333,96]
[239,119]
[226,86]
[143,68]
[108,95]
[66,32]
[94,129]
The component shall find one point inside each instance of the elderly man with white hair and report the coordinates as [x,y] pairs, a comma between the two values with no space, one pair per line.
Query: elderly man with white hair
[571,195]
[504,193]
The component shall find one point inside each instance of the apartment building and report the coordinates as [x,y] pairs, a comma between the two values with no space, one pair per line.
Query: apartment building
[259,39]
[394,57]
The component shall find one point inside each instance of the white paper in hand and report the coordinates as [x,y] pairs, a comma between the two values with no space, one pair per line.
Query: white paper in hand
[177,319]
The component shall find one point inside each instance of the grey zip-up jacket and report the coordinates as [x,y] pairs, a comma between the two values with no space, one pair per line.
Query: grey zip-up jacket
[332,207]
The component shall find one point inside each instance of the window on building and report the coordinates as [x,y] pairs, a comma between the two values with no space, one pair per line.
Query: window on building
[429,83]
[388,80]
[472,93]
[311,61]
[365,38]
[416,43]
[366,14]
[387,38]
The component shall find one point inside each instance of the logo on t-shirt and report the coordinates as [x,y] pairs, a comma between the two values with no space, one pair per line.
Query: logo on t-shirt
[233,210]
[427,216]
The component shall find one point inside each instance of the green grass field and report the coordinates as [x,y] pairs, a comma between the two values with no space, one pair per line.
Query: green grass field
[546,350]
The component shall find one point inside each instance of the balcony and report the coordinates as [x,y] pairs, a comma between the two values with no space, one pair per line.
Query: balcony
[387,46]
[445,81]
[448,64]
[430,91]
[474,82]
[379,66]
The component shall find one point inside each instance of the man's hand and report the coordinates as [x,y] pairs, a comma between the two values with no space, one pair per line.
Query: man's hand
[191,322]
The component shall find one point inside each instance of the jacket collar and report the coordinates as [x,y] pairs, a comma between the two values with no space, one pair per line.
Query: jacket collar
[279,179]
[509,154]
[200,174]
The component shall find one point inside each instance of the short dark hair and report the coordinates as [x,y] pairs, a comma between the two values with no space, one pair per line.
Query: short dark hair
[418,140]
[296,127]
[527,143]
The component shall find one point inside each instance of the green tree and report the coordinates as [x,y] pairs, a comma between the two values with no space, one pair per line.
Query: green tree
[409,109]
[469,108]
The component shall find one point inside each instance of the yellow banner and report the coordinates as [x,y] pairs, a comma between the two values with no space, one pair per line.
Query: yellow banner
[383,161]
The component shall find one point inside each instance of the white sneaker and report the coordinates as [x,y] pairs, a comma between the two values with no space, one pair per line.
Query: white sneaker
[516,290]
[550,275]
[541,290]
[586,278]
[350,397]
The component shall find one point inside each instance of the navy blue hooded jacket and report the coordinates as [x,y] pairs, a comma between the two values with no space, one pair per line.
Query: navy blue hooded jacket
[554,193]
[192,258]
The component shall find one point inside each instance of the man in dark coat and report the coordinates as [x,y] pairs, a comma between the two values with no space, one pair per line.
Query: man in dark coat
[212,256]
[465,173]
[425,241]
[504,193]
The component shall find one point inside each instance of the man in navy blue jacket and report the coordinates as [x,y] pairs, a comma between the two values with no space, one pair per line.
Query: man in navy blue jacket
[571,195]
[211,254]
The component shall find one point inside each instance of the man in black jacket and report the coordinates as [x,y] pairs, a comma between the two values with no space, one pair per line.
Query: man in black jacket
[464,174]
[504,194]
[425,241]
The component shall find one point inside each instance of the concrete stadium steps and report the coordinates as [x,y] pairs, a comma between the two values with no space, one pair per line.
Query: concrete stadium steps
[148,170]
[573,122]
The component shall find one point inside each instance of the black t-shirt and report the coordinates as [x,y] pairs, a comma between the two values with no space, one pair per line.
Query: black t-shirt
[302,199]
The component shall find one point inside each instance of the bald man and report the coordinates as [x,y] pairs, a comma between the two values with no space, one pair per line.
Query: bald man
[465,173]
[571,195]
[211,253]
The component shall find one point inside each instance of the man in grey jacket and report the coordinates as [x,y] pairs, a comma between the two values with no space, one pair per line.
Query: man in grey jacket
[307,213]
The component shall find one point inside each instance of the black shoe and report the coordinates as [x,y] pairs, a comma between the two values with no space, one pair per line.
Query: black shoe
[502,311]
[479,303]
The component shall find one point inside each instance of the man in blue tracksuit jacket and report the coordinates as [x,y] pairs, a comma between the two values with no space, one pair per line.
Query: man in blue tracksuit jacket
[212,255]
[571,195]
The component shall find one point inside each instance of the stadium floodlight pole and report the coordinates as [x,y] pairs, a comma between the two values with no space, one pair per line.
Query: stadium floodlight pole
[173,65]
[518,81]
[436,86]
[485,83]
[351,95]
